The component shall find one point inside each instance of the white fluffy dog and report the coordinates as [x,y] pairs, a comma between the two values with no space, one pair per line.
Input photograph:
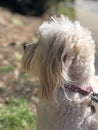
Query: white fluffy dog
[63,60]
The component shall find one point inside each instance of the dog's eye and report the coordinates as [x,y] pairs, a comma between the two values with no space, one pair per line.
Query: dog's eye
[24,46]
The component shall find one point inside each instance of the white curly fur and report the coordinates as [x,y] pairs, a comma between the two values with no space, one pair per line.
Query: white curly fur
[63,27]
[64,55]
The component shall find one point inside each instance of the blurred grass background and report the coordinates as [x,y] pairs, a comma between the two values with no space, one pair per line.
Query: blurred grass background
[16,116]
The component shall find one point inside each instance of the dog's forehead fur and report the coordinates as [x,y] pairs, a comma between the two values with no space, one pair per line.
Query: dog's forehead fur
[63,27]
[72,33]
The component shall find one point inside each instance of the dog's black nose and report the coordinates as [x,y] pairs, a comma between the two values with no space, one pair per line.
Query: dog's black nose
[24,46]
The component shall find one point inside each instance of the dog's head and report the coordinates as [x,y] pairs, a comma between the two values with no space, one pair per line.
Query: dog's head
[65,53]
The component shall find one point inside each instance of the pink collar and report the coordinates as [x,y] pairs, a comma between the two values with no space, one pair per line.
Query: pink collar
[83,91]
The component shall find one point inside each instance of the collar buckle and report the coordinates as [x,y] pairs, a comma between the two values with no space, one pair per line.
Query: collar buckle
[94,97]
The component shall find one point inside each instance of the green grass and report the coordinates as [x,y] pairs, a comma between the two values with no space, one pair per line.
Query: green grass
[23,76]
[6,68]
[16,116]
[2,90]
[67,11]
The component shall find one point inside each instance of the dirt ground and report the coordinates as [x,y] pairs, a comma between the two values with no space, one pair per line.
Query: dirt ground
[15,30]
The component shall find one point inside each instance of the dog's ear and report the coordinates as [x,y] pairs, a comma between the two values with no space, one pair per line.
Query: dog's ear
[54,67]
[50,71]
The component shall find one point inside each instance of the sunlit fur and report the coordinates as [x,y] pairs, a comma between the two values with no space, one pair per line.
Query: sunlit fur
[64,54]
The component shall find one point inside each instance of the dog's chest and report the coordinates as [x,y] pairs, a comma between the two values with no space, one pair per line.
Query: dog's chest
[76,116]
[66,115]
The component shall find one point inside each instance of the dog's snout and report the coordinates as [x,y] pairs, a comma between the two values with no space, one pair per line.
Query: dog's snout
[24,46]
